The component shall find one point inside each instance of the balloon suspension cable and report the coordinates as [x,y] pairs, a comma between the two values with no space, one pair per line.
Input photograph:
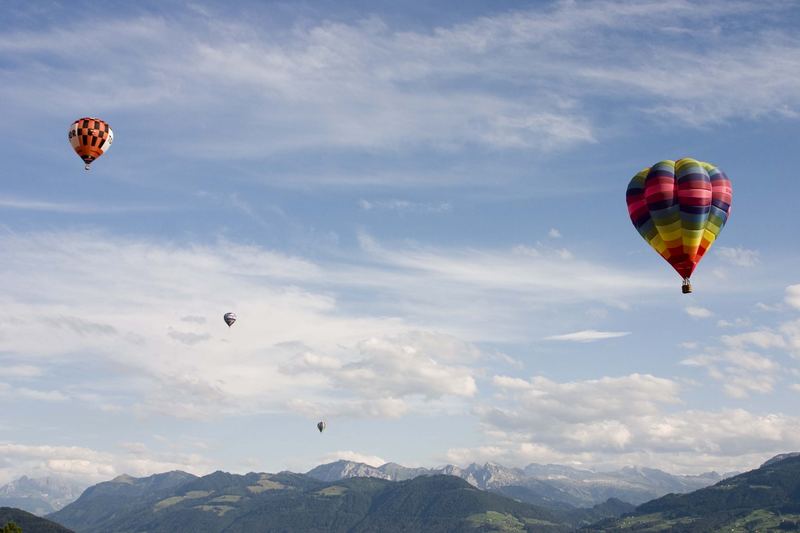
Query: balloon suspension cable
[687,286]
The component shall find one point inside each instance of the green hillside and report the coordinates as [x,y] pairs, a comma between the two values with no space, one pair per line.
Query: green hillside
[765,499]
[29,523]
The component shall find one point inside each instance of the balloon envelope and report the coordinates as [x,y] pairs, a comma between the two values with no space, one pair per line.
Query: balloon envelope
[90,138]
[679,208]
[229,318]
[321,425]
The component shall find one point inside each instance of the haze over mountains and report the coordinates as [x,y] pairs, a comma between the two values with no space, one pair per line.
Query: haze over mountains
[40,495]
[548,485]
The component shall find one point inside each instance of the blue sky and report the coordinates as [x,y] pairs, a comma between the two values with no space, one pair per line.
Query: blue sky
[417,211]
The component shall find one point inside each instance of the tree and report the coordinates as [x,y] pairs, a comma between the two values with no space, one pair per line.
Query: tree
[11,527]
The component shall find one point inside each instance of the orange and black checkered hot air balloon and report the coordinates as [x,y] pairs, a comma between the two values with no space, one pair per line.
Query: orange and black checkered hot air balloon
[90,137]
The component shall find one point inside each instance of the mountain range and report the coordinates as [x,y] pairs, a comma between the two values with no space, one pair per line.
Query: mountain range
[765,499]
[177,502]
[40,495]
[552,486]
[547,485]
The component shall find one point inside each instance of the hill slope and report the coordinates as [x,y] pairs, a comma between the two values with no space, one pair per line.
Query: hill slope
[765,499]
[28,522]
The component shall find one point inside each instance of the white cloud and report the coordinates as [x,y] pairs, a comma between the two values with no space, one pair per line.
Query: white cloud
[741,373]
[168,351]
[351,408]
[698,312]
[583,402]
[763,338]
[791,332]
[554,233]
[412,364]
[748,362]
[761,306]
[92,466]
[738,256]
[348,323]
[587,335]
[793,296]
[348,455]
[693,460]
[633,419]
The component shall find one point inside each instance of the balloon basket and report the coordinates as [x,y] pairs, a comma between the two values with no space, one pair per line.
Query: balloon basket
[687,287]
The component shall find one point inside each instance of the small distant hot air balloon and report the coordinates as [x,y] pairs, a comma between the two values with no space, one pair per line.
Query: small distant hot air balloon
[321,425]
[90,138]
[229,318]
[679,208]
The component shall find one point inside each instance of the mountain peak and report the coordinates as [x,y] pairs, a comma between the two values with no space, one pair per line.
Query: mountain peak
[780,457]
[40,495]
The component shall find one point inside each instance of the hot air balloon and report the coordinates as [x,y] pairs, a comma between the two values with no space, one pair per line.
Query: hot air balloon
[321,425]
[679,208]
[229,318]
[90,138]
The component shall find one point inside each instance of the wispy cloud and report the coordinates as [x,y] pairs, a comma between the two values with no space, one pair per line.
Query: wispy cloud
[737,323]
[20,371]
[739,256]
[698,312]
[337,325]
[363,84]
[7,202]
[403,206]
[15,393]
[588,335]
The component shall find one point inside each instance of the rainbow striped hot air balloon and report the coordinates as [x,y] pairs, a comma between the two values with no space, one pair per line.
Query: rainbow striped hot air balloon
[680,207]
